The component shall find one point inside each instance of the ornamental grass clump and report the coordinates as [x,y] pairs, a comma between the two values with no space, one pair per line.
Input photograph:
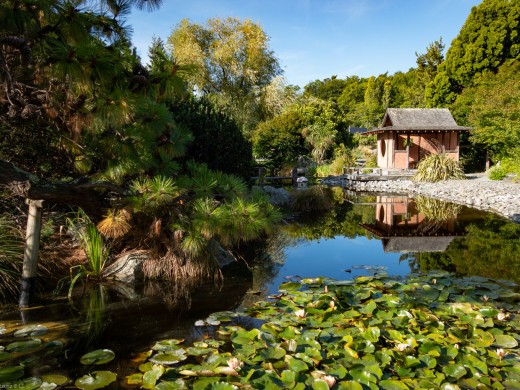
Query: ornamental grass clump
[437,167]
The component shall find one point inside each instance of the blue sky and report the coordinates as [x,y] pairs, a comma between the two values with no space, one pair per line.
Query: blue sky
[315,39]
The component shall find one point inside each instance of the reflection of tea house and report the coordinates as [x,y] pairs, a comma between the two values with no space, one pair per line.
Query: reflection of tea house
[403,228]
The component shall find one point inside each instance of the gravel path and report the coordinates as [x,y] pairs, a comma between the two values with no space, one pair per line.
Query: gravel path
[501,197]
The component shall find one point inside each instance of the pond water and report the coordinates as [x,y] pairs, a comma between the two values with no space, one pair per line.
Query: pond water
[360,235]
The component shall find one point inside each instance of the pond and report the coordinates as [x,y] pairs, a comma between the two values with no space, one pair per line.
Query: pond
[360,235]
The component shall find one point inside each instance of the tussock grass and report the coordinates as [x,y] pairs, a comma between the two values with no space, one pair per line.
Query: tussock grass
[437,167]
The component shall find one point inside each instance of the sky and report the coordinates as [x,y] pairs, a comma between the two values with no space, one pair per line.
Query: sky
[317,39]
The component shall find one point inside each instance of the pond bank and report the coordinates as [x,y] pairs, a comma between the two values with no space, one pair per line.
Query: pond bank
[501,197]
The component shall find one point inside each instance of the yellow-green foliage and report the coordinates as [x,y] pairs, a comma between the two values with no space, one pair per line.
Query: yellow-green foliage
[436,167]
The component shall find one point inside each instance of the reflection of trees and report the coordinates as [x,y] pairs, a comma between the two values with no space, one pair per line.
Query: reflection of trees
[490,249]
[343,220]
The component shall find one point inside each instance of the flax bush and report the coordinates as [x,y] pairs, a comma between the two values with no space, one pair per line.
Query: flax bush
[436,167]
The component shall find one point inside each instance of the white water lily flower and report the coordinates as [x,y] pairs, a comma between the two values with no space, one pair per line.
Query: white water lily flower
[235,363]
[330,380]
[502,316]
[485,298]
[300,313]
[501,353]
[401,347]
[332,304]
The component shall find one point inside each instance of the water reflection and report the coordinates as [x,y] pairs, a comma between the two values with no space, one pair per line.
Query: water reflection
[414,225]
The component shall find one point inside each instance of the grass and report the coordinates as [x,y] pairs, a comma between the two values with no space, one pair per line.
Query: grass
[11,256]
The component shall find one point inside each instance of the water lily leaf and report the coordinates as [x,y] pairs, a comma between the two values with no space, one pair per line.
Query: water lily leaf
[134,379]
[511,384]
[456,371]
[489,311]
[31,330]
[4,356]
[24,346]
[272,353]
[411,361]
[171,385]
[482,338]
[96,380]
[295,365]
[99,356]
[505,341]
[363,376]
[320,384]
[288,333]
[350,385]
[167,345]
[26,384]
[290,286]
[151,377]
[55,378]
[222,386]
[168,358]
[12,373]
[389,384]
[288,376]
[372,334]
[194,351]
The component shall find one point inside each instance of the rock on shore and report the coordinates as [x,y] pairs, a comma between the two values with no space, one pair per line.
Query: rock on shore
[501,197]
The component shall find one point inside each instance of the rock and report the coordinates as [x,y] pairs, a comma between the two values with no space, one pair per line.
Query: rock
[127,268]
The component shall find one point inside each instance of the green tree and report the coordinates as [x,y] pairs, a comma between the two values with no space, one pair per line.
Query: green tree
[328,89]
[490,36]
[233,61]
[218,141]
[492,108]
[280,140]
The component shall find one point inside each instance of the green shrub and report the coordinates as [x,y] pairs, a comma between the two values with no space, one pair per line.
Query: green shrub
[497,173]
[324,170]
[436,167]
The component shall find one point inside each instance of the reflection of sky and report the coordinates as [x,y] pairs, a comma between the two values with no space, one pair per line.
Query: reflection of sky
[331,257]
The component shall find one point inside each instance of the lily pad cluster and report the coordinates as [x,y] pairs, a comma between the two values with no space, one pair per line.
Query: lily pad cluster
[430,331]
[24,347]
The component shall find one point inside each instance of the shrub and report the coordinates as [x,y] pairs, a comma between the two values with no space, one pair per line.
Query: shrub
[436,167]
[497,173]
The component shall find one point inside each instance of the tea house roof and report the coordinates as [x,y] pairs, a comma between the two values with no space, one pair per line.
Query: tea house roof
[418,120]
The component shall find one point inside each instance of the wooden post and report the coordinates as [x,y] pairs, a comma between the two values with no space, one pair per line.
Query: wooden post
[31,253]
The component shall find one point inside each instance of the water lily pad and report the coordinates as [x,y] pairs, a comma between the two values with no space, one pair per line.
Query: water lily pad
[12,373]
[151,377]
[167,345]
[350,385]
[456,371]
[24,346]
[99,356]
[389,384]
[31,330]
[95,380]
[505,341]
[171,385]
[4,356]
[222,386]
[55,378]
[170,357]
[290,286]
